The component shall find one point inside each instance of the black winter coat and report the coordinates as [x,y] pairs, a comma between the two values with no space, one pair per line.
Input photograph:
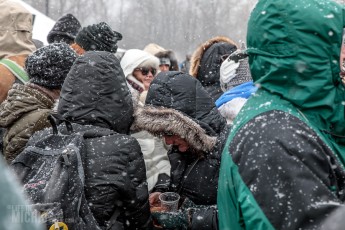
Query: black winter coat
[95,97]
[178,104]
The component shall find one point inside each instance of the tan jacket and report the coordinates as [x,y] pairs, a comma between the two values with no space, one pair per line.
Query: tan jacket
[15,40]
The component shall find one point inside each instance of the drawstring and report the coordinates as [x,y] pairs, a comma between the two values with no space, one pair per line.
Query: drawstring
[335,135]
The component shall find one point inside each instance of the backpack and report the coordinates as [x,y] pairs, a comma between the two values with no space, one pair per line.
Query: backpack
[51,171]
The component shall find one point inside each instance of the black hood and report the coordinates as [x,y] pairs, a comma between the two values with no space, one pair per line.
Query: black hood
[184,93]
[206,62]
[95,92]
[177,103]
[211,61]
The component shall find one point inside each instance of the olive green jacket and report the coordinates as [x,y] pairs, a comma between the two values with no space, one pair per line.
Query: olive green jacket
[24,112]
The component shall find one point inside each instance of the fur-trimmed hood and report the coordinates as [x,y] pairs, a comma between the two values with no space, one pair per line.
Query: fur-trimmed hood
[199,52]
[177,103]
[160,120]
[206,61]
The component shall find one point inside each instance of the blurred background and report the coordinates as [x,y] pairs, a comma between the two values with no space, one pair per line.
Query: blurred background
[179,25]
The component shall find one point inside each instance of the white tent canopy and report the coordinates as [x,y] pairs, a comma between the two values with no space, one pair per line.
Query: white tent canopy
[42,24]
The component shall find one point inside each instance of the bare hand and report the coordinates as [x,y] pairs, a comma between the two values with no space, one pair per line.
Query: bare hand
[154,199]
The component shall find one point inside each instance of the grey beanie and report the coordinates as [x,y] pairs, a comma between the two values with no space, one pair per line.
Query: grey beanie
[49,65]
[234,73]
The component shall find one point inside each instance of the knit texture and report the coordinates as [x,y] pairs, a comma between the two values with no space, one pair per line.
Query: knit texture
[98,37]
[64,30]
[233,74]
[49,65]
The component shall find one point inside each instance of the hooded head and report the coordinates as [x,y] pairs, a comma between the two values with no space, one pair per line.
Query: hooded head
[135,58]
[297,57]
[177,103]
[15,29]
[64,30]
[95,92]
[206,61]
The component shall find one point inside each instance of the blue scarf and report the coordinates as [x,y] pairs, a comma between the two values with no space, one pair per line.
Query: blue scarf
[244,90]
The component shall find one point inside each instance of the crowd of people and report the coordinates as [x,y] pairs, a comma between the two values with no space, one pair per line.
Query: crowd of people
[249,136]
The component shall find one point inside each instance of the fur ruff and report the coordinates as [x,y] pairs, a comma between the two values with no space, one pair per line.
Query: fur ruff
[160,120]
[199,52]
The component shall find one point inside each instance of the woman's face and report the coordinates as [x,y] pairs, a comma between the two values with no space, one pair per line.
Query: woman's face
[145,75]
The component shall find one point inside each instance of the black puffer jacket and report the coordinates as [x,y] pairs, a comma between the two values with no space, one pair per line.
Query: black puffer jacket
[177,103]
[95,97]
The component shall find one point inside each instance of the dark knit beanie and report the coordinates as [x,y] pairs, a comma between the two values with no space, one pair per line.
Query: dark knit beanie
[49,65]
[65,30]
[99,37]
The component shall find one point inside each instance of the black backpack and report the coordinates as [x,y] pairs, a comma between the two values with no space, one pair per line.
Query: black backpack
[51,171]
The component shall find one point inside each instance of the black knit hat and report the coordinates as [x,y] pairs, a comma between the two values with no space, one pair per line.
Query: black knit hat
[65,30]
[49,65]
[98,37]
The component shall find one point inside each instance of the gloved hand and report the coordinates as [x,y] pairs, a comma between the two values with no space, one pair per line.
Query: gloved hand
[172,220]
[189,204]
[200,216]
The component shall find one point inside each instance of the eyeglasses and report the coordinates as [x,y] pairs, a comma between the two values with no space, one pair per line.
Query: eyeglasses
[145,70]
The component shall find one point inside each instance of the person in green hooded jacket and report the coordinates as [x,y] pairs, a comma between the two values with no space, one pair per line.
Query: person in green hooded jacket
[283,163]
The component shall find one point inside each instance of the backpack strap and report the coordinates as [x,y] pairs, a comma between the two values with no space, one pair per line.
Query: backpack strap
[56,119]
[16,69]
[113,220]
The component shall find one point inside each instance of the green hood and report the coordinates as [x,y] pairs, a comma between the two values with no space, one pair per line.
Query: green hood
[296,56]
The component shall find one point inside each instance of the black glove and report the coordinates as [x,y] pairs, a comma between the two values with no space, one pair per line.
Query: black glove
[189,204]
[201,217]
[172,220]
